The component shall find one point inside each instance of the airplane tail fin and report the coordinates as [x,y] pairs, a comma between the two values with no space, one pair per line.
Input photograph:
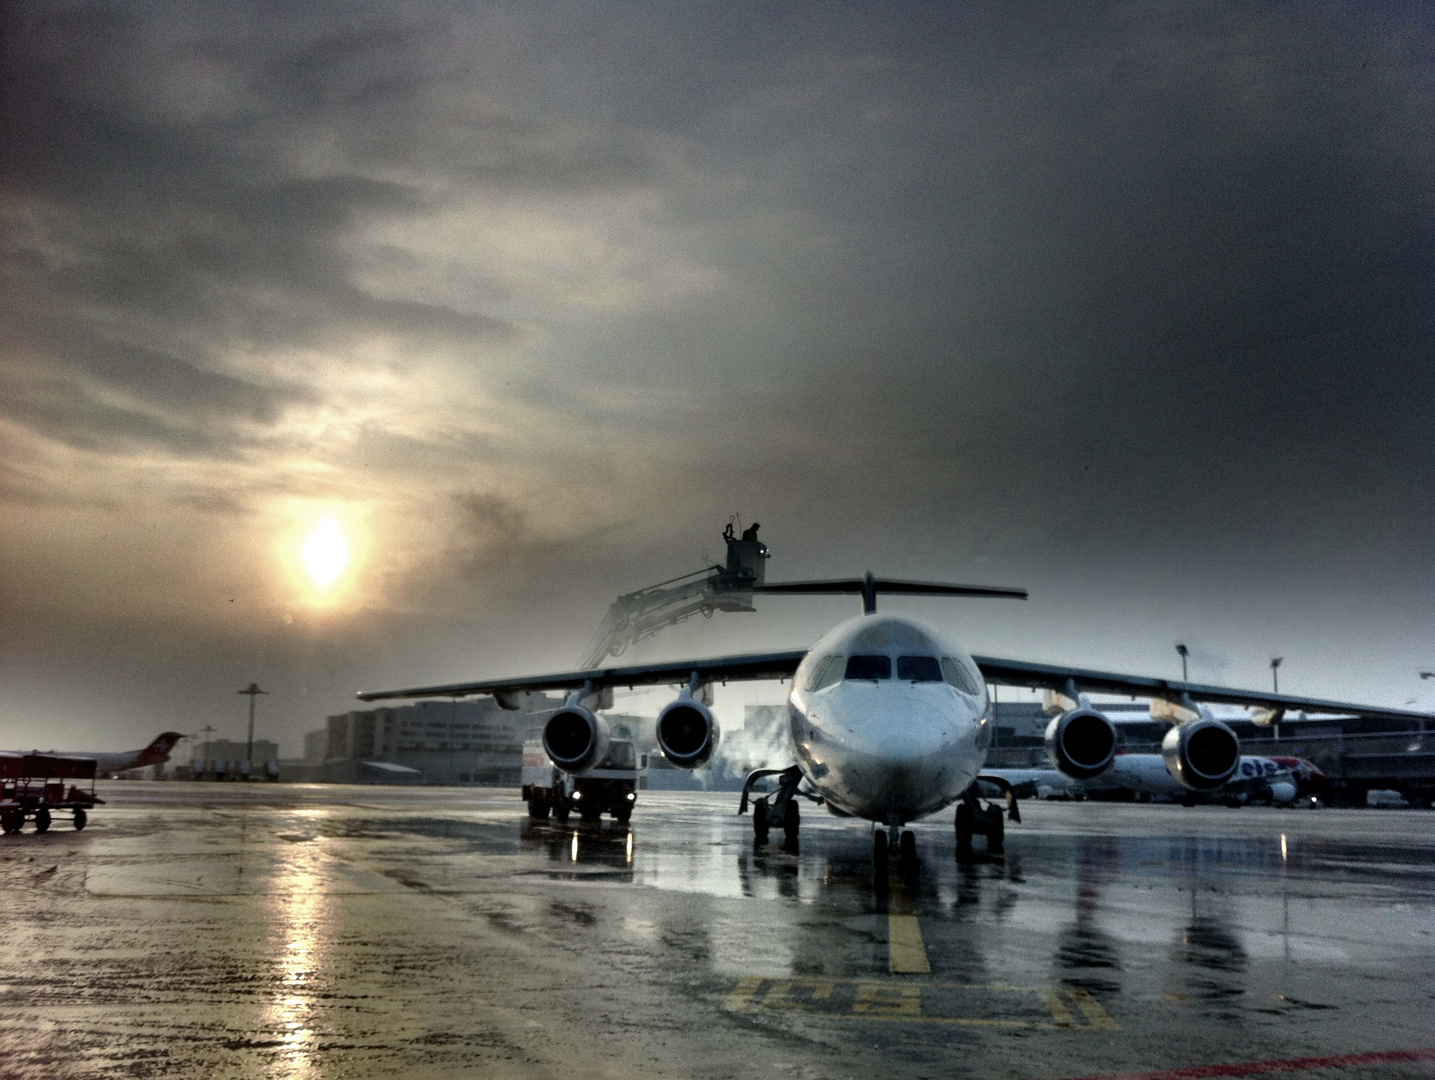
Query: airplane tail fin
[157,752]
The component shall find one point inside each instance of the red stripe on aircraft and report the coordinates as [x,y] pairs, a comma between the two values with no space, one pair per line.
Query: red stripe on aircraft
[1253,1068]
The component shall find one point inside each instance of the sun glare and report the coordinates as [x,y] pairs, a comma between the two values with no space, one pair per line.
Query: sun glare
[326,553]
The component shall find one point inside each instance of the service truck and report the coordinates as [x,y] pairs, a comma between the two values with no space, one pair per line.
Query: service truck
[611,787]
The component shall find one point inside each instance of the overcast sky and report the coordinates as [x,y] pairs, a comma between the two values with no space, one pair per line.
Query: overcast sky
[1129,304]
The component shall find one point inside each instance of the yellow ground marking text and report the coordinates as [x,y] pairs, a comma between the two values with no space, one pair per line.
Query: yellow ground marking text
[986,1005]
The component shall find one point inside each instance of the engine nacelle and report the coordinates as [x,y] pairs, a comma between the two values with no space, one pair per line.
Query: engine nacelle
[687,732]
[575,739]
[1201,755]
[1081,743]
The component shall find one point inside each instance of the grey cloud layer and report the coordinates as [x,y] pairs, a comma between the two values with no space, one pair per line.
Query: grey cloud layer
[1133,285]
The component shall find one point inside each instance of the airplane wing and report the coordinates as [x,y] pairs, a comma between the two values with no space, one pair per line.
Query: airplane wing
[778,665]
[1056,677]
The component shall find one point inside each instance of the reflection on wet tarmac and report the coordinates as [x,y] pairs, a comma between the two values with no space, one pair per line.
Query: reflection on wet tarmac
[300,901]
[421,934]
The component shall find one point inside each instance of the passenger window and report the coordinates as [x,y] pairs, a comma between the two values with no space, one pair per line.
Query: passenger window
[919,669]
[869,667]
[958,676]
[827,672]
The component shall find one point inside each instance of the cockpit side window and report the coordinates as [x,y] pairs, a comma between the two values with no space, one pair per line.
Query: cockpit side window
[957,674]
[869,667]
[919,669]
[825,673]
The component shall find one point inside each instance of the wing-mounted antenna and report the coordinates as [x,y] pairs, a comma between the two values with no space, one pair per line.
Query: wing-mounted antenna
[868,587]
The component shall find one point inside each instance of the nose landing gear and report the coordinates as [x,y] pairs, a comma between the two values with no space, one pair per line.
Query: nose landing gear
[894,844]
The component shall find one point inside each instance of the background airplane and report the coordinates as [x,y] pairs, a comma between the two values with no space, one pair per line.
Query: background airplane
[889,721]
[1279,780]
[156,753]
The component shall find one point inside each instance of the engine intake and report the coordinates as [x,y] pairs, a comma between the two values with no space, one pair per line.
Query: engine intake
[1201,755]
[687,732]
[1081,743]
[575,739]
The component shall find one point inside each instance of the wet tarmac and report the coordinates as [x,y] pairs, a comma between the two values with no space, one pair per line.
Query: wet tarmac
[213,930]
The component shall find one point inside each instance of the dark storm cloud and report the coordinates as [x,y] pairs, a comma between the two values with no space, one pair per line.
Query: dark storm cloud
[143,242]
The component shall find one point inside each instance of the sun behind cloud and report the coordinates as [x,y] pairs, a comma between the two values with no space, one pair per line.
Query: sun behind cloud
[326,553]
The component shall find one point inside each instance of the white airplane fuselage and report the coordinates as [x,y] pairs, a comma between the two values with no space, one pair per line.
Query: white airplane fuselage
[889,747]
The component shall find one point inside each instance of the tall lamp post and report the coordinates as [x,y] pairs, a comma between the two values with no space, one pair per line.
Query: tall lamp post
[1275,674]
[253,691]
[1185,652]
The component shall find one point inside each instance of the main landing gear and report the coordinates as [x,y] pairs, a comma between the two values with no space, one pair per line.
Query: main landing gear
[778,810]
[972,818]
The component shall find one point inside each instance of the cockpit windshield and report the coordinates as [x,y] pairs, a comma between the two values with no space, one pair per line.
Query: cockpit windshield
[869,667]
[919,669]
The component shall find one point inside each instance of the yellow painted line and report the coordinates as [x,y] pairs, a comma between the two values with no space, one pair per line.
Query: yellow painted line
[906,954]
[1054,1005]
[741,997]
[1090,1008]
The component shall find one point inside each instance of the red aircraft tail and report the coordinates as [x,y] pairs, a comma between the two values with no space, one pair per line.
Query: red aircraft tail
[157,752]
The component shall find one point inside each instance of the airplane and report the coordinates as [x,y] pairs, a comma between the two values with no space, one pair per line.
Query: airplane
[156,753]
[889,720]
[1277,779]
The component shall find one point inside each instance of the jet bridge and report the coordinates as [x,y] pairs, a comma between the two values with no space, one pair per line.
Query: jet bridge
[641,614]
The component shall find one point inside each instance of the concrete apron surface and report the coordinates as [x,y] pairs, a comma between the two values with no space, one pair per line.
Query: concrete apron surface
[226,930]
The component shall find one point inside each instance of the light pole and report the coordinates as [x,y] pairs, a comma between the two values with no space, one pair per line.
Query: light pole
[1185,652]
[1275,674]
[253,691]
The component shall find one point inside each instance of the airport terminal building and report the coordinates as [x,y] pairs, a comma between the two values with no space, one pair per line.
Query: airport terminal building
[428,742]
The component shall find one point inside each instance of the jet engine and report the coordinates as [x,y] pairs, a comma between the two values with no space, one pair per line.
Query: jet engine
[1081,743]
[575,738]
[687,732]
[1202,755]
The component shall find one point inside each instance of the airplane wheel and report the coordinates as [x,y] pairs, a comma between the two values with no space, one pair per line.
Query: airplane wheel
[759,820]
[908,849]
[81,819]
[11,821]
[623,816]
[879,850]
[996,835]
[42,820]
[964,829]
[538,807]
[791,820]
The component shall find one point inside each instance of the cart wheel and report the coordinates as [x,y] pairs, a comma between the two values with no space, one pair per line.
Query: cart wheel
[42,820]
[81,819]
[623,814]
[11,821]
